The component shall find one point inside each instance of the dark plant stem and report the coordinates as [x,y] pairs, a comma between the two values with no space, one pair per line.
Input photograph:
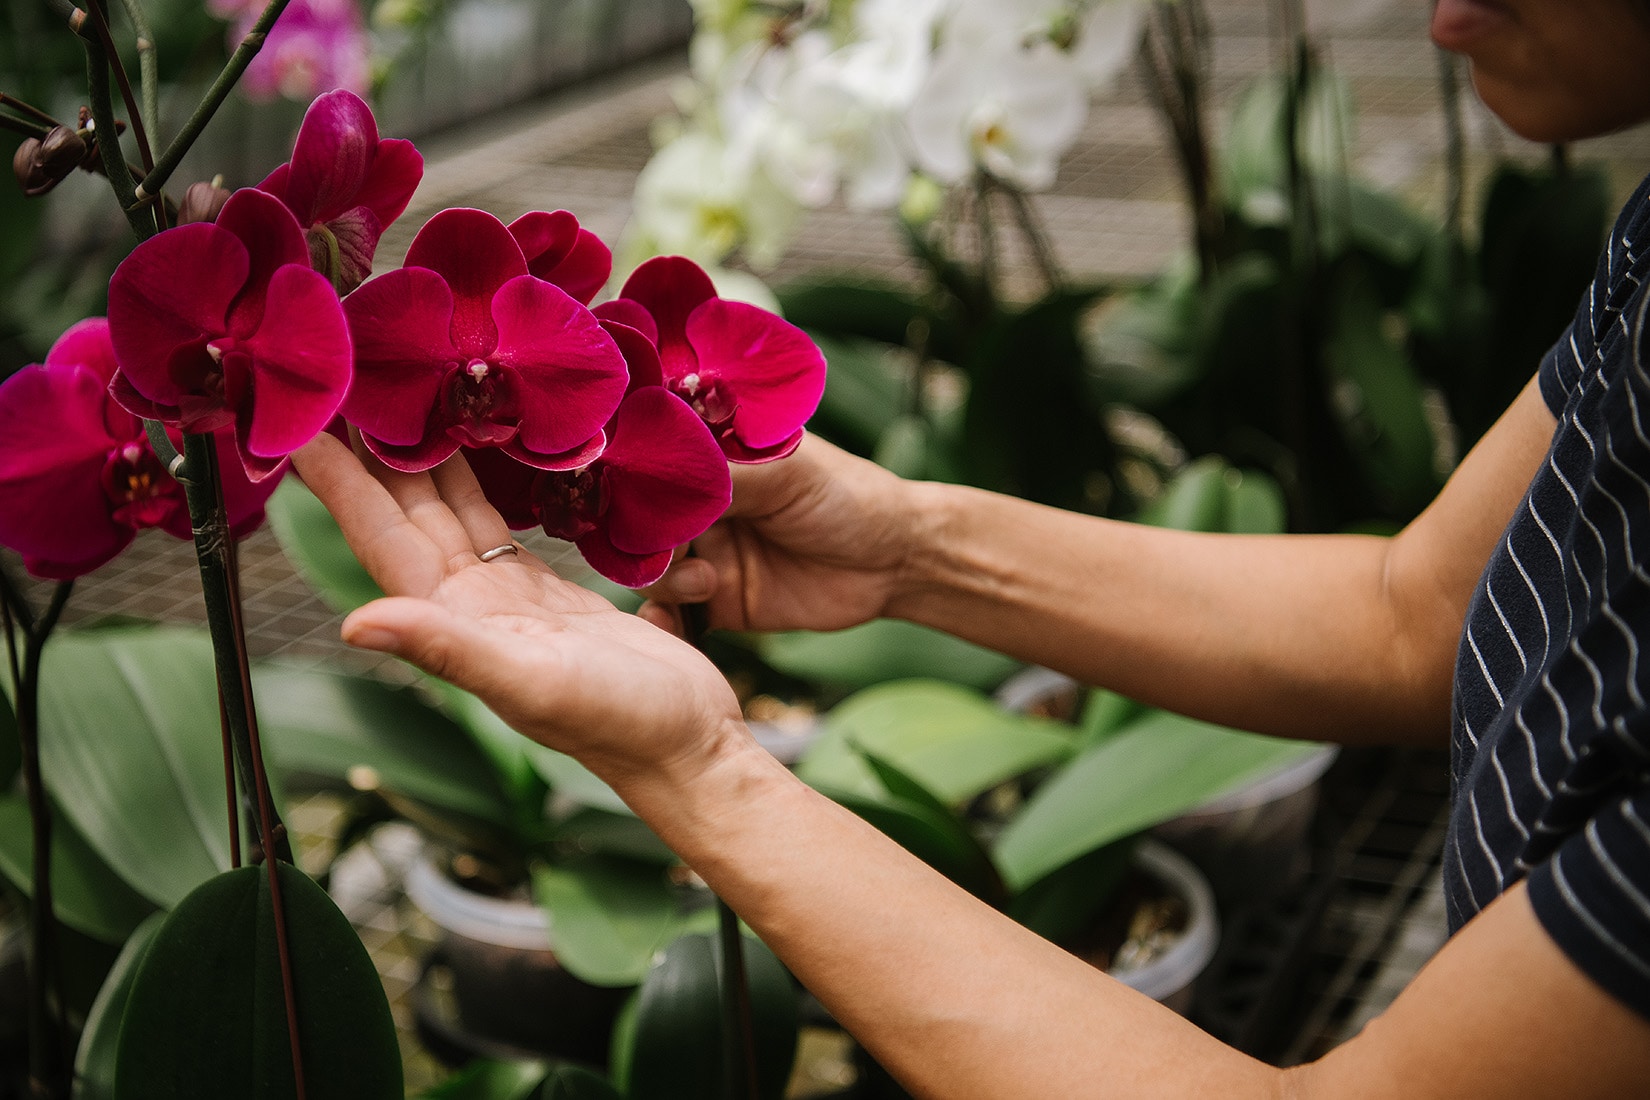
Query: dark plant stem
[34,112]
[148,63]
[209,104]
[987,234]
[1455,146]
[108,134]
[229,782]
[1042,249]
[215,553]
[738,1034]
[49,1056]
[100,22]
[1175,55]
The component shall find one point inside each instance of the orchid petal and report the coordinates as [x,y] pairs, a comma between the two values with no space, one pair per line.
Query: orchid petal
[630,570]
[273,239]
[172,289]
[53,509]
[666,477]
[336,144]
[85,344]
[583,454]
[300,364]
[641,358]
[399,324]
[560,252]
[631,314]
[475,254]
[776,373]
[670,288]
[570,372]
[435,447]
[735,451]
[391,180]
[356,232]
[507,484]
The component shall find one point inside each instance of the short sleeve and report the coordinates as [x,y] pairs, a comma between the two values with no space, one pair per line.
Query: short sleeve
[1593,895]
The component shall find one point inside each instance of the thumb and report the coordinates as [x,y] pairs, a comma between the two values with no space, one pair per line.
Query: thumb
[429,636]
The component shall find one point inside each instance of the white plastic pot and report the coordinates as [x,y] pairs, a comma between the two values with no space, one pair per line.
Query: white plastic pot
[1171,977]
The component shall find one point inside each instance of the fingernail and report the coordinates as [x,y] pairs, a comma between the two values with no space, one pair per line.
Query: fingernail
[370,637]
[696,582]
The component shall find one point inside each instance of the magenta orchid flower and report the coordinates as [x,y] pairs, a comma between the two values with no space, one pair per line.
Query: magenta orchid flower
[753,377]
[78,478]
[345,185]
[315,46]
[224,323]
[560,251]
[463,346]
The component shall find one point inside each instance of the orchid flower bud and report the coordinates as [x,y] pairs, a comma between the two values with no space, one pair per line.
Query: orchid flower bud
[40,164]
[202,201]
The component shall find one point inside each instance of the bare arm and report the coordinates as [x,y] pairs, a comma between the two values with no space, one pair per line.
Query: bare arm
[1347,638]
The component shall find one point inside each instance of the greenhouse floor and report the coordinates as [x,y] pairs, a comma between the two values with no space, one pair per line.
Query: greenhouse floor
[1290,981]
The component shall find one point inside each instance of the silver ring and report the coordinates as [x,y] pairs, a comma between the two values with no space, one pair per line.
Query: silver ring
[498,552]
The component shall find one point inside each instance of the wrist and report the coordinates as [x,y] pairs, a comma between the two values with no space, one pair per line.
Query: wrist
[930,518]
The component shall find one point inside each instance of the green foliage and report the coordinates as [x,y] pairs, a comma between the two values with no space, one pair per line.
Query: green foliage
[86,894]
[882,650]
[609,917]
[205,1014]
[95,1058]
[668,1044]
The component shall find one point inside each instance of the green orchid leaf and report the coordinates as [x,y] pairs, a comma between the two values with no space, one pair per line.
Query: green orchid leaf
[206,1015]
[489,1079]
[566,1082]
[940,839]
[323,724]
[1156,769]
[865,386]
[1255,504]
[506,748]
[312,542]
[882,650]
[608,917]
[11,749]
[603,832]
[571,779]
[1195,500]
[1104,713]
[94,1062]
[86,895]
[1381,401]
[132,715]
[852,307]
[668,1045]
[953,742]
[1062,905]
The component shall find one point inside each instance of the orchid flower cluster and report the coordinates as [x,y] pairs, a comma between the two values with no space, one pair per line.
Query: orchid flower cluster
[794,104]
[610,427]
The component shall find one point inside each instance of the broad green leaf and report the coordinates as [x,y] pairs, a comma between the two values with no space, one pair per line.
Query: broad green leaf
[669,1043]
[94,1062]
[310,538]
[1155,770]
[11,749]
[487,1079]
[940,839]
[907,448]
[881,650]
[86,895]
[864,389]
[608,917]
[132,717]
[1255,160]
[1104,713]
[1255,504]
[568,1082]
[207,1016]
[1380,401]
[856,307]
[953,741]
[321,723]
[506,748]
[1061,905]
[605,832]
[1195,500]
[571,779]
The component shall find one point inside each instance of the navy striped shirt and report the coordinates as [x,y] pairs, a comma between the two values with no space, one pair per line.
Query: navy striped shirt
[1551,733]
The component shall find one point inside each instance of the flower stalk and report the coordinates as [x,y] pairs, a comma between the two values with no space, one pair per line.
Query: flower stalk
[49,1055]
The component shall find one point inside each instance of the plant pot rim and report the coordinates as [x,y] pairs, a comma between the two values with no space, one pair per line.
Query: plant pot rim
[503,922]
[1180,965]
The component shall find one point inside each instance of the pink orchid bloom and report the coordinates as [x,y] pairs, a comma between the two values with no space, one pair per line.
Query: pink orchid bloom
[463,346]
[78,478]
[345,185]
[224,323]
[659,484]
[753,377]
[560,251]
[315,46]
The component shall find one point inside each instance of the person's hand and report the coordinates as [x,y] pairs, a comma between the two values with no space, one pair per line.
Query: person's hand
[555,661]
[814,541]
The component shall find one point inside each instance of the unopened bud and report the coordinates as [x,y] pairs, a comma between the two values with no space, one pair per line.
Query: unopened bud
[201,202]
[41,163]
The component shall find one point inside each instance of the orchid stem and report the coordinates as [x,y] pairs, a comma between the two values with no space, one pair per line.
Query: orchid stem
[48,1052]
[29,109]
[148,64]
[738,1033]
[215,553]
[209,104]
[100,19]
[107,135]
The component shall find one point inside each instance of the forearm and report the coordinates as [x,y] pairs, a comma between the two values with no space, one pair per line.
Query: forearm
[1292,635]
[956,999]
